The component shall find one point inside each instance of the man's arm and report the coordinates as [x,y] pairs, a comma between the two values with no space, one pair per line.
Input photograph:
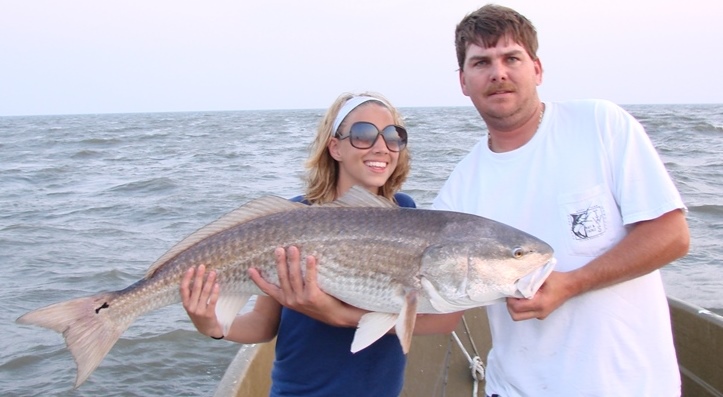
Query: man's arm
[648,246]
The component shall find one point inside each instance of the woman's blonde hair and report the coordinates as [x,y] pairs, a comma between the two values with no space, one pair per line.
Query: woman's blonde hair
[323,171]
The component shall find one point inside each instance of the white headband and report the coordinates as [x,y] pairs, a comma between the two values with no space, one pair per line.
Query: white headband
[351,104]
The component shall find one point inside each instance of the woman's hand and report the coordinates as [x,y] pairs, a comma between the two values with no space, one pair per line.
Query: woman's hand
[301,292]
[200,299]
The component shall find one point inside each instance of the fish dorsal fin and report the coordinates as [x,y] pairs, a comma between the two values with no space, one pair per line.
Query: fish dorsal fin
[252,210]
[360,197]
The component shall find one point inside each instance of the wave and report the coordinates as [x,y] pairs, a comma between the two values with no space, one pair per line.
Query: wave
[706,127]
[146,186]
[86,154]
[98,141]
[707,209]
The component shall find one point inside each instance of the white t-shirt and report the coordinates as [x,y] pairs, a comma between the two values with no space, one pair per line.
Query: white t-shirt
[588,171]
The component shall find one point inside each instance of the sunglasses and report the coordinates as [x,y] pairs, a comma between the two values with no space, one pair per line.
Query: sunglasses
[364,135]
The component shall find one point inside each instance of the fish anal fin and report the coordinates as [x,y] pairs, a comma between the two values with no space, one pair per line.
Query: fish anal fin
[371,327]
[227,307]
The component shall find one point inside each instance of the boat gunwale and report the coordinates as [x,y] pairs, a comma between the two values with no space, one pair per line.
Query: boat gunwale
[698,363]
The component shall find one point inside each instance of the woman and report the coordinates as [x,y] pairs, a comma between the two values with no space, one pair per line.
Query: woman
[360,141]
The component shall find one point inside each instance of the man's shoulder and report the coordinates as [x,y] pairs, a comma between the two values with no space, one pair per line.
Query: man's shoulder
[581,105]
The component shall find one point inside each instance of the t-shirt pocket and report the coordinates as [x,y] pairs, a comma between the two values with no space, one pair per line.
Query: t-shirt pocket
[591,219]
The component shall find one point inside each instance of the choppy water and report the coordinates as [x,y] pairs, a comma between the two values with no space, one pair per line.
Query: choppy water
[89,201]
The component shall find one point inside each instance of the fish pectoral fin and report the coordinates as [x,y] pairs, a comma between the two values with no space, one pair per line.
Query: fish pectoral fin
[405,323]
[227,307]
[438,302]
[374,325]
[371,327]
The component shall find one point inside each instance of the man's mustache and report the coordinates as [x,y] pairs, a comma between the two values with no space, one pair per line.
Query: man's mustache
[500,87]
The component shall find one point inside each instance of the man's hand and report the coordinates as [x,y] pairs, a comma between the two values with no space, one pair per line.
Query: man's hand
[551,295]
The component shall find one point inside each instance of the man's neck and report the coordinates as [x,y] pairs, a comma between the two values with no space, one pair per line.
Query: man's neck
[505,140]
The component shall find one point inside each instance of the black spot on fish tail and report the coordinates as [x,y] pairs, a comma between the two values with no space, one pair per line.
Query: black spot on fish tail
[104,306]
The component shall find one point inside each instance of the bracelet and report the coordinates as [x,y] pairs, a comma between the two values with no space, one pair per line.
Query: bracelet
[219,338]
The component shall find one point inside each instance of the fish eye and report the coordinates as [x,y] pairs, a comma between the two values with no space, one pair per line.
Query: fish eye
[518,253]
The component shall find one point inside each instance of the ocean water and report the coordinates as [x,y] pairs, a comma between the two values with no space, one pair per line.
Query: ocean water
[90,201]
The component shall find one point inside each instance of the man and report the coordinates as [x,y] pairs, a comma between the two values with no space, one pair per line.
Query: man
[584,177]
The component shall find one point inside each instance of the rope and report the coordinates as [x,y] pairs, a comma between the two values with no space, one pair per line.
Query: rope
[469,334]
[476,365]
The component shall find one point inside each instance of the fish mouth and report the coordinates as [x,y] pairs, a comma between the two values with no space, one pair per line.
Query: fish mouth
[529,284]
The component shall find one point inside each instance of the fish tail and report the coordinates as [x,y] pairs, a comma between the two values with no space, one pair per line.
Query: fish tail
[89,326]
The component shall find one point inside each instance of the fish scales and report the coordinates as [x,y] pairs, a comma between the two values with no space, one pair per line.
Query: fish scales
[233,252]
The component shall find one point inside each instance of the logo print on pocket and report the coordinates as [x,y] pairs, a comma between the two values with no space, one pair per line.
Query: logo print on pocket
[588,224]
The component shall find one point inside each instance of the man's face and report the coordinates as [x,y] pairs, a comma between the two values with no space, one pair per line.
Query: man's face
[502,80]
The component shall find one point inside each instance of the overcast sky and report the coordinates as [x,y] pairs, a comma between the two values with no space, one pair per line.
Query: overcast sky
[92,56]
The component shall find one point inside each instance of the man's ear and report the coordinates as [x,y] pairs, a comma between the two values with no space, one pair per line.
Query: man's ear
[538,71]
[462,83]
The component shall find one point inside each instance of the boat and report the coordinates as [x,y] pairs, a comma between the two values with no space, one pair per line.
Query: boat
[452,364]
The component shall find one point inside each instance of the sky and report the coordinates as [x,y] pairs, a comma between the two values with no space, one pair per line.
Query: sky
[92,56]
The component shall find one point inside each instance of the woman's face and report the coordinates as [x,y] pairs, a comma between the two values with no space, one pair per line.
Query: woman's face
[368,168]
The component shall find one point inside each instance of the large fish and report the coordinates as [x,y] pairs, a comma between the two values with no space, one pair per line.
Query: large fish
[395,262]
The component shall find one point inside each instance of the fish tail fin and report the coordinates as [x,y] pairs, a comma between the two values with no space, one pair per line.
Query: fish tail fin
[88,325]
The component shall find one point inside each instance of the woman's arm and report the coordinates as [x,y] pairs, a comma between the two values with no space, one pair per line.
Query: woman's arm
[258,325]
